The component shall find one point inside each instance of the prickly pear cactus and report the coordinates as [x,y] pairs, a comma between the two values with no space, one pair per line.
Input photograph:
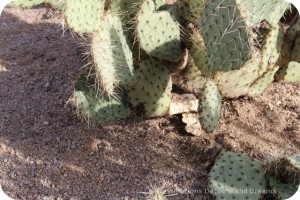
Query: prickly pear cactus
[25,3]
[289,73]
[236,176]
[92,104]
[158,32]
[263,82]
[83,16]
[283,190]
[226,34]
[111,55]
[153,88]
[235,83]
[211,106]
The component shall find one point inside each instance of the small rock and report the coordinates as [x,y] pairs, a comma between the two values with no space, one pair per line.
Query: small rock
[45,123]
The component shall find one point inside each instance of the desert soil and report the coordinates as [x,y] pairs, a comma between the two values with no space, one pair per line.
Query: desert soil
[48,152]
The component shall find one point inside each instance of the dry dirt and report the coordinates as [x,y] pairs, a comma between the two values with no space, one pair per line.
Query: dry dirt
[47,152]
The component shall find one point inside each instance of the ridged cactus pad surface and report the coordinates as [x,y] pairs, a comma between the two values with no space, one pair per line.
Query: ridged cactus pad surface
[96,106]
[236,176]
[211,106]
[226,35]
[153,88]
[158,32]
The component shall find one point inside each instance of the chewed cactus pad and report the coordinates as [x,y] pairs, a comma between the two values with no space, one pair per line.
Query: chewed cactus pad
[236,83]
[271,49]
[158,33]
[211,106]
[283,190]
[153,88]
[289,74]
[25,3]
[84,15]
[236,176]
[96,106]
[263,82]
[112,55]
[190,79]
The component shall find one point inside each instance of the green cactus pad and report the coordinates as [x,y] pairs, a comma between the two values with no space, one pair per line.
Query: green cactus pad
[294,30]
[190,79]
[283,190]
[25,3]
[211,106]
[190,9]
[112,56]
[158,33]
[226,35]
[153,88]
[98,107]
[285,169]
[271,49]
[83,16]
[289,74]
[270,10]
[57,4]
[295,56]
[236,176]
[199,54]
[263,82]
[126,8]
[236,83]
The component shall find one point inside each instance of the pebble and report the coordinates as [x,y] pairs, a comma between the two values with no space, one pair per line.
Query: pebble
[45,123]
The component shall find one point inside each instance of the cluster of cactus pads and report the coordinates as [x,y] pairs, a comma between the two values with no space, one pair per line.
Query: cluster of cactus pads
[237,176]
[143,52]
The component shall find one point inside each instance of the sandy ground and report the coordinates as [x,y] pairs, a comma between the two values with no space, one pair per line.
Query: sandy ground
[47,152]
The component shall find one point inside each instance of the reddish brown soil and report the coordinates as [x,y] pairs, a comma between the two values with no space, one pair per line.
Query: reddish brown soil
[47,152]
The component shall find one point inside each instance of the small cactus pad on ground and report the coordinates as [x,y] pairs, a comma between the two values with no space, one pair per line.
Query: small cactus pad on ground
[25,3]
[233,84]
[152,89]
[158,33]
[285,169]
[96,106]
[236,176]
[263,82]
[289,74]
[112,56]
[83,16]
[211,106]
[283,190]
